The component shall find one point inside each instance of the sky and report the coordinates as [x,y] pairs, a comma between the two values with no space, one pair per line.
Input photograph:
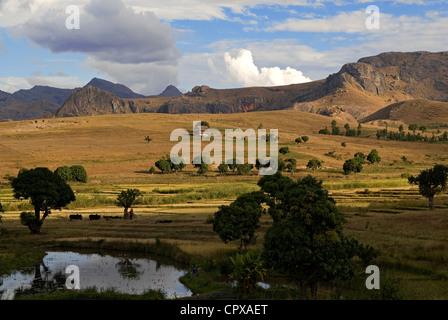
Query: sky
[150,44]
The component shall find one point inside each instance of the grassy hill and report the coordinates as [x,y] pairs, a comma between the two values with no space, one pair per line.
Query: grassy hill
[417,111]
[112,147]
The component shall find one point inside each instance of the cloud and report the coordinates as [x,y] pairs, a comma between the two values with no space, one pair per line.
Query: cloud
[244,70]
[128,47]
[146,78]
[108,31]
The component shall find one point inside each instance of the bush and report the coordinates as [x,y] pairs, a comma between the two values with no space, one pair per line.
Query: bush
[305,138]
[324,131]
[284,150]
[314,164]
[152,170]
[65,173]
[248,270]
[223,168]
[78,173]
[352,165]
[163,165]
[373,156]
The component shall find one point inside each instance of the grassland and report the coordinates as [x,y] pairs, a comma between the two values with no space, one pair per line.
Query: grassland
[382,209]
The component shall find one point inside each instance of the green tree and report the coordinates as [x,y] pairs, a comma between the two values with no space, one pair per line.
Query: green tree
[373,156]
[352,165]
[314,164]
[127,199]
[148,139]
[413,127]
[284,150]
[65,173]
[240,219]
[46,191]
[163,165]
[360,156]
[79,173]
[223,168]
[248,269]
[244,168]
[152,170]
[305,138]
[203,168]
[298,140]
[306,240]
[401,128]
[431,182]
[291,165]
[324,131]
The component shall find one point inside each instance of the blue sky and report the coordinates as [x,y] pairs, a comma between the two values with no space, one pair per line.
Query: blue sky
[148,45]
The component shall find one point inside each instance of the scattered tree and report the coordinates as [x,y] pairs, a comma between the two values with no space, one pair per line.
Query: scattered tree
[223,168]
[298,140]
[352,165]
[244,168]
[413,127]
[373,156]
[79,173]
[65,173]
[314,164]
[152,170]
[291,165]
[148,139]
[284,150]
[46,191]
[240,219]
[305,138]
[127,199]
[324,131]
[163,165]
[431,182]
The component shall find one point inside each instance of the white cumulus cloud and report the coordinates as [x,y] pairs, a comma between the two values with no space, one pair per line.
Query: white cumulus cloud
[243,69]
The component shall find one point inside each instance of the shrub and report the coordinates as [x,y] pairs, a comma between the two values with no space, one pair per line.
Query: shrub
[314,164]
[352,165]
[152,170]
[65,173]
[324,131]
[284,150]
[248,270]
[373,156]
[305,138]
[78,173]
[223,168]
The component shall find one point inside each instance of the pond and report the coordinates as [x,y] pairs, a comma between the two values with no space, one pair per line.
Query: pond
[121,273]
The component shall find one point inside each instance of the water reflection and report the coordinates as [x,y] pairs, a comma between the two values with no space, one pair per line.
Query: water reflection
[124,274]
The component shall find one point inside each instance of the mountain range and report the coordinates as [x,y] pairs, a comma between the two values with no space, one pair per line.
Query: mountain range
[366,90]
[44,101]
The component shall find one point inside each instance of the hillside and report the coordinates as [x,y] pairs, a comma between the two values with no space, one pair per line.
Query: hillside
[113,148]
[417,111]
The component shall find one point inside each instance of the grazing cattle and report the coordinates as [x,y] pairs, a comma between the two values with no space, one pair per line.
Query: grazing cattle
[112,217]
[94,217]
[75,217]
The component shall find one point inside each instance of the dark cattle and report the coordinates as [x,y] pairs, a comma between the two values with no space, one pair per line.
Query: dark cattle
[75,217]
[112,217]
[94,217]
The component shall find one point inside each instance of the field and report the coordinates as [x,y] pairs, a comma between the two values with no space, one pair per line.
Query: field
[382,209]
